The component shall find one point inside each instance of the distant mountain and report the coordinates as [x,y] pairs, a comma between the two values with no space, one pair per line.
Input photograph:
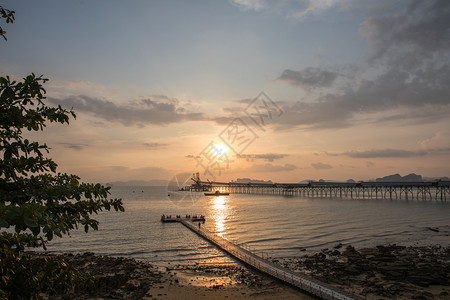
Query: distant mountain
[436,178]
[398,178]
[155,182]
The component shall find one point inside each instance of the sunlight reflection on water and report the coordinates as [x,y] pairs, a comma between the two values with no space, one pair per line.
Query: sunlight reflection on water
[220,211]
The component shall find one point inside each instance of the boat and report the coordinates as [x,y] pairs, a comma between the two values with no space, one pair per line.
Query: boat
[217,193]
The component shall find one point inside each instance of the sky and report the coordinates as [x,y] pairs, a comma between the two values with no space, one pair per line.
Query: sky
[285,90]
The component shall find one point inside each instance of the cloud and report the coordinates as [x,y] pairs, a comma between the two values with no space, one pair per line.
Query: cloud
[73,146]
[155,145]
[268,157]
[255,5]
[318,6]
[417,30]
[321,166]
[424,98]
[408,73]
[158,110]
[439,140]
[392,153]
[271,168]
[384,153]
[309,78]
[295,9]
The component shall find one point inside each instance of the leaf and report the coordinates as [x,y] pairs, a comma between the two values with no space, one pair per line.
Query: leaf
[36,230]
[3,223]
[30,222]
[49,235]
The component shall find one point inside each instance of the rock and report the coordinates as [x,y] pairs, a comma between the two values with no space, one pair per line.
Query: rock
[423,296]
[433,229]
[418,279]
[338,246]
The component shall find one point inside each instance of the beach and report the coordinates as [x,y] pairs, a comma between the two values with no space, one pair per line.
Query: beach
[124,278]
[382,272]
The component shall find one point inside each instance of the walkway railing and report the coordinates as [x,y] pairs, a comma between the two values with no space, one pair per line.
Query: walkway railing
[301,281]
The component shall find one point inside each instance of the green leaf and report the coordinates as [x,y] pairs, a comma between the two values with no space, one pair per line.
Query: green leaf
[30,222]
[3,223]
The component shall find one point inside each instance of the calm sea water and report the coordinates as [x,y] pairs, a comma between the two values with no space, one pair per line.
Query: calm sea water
[279,226]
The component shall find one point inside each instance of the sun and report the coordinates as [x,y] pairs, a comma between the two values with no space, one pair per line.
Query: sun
[219,150]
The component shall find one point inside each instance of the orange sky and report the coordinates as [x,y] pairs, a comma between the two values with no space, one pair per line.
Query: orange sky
[352,89]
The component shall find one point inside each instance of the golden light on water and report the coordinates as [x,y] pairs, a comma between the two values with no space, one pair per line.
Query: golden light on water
[219,214]
[219,203]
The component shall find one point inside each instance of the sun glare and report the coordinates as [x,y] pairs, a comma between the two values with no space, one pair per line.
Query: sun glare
[219,150]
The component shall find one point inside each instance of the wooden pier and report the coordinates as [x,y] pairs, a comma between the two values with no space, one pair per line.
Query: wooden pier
[303,282]
[179,218]
[426,191]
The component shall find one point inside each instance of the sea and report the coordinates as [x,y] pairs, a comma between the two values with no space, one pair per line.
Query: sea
[271,225]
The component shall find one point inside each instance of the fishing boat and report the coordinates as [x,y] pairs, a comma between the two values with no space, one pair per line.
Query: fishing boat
[217,193]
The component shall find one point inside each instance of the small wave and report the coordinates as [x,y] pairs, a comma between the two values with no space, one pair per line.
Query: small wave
[171,250]
[132,253]
[263,240]
[185,254]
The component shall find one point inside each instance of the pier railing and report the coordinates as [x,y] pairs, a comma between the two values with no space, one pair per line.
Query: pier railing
[306,283]
[437,190]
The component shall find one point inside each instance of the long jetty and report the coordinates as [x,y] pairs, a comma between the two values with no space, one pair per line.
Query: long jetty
[436,190]
[301,281]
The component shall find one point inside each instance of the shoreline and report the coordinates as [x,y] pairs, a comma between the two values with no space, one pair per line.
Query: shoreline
[389,271]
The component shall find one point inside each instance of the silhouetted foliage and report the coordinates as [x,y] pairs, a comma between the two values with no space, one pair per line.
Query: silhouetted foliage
[8,15]
[36,202]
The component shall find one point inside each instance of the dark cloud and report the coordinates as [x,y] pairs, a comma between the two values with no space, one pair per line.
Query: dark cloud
[409,33]
[423,98]
[268,157]
[439,151]
[73,146]
[155,145]
[271,168]
[391,153]
[384,153]
[321,166]
[409,60]
[309,78]
[158,110]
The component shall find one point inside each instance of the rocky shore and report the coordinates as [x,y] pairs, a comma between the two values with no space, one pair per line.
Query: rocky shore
[394,272]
